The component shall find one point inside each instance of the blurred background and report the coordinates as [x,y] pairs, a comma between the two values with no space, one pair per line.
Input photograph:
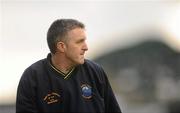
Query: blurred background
[136,41]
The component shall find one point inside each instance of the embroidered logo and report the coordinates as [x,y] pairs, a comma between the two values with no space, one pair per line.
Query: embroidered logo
[86,91]
[52,98]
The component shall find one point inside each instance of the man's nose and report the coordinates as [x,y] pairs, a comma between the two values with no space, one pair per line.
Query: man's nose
[85,47]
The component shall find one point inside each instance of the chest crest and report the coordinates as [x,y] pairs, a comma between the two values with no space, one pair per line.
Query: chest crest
[86,91]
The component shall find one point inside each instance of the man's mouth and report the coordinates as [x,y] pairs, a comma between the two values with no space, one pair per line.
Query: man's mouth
[82,53]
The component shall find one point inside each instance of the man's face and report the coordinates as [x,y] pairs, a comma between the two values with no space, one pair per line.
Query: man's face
[76,46]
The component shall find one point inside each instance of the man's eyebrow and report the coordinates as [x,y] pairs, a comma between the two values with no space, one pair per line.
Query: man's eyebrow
[81,40]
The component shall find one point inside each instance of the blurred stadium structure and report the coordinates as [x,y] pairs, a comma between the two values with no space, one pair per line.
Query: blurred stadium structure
[144,73]
[145,76]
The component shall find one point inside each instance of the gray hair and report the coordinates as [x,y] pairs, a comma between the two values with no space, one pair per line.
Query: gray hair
[59,29]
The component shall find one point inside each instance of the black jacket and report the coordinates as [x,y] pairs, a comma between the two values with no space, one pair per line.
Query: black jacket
[43,88]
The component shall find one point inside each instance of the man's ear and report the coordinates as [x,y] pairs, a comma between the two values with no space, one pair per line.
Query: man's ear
[61,46]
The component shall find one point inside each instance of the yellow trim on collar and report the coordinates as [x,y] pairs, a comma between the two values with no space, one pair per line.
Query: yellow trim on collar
[65,75]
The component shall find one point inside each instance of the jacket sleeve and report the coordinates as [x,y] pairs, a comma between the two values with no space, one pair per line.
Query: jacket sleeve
[111,104]
[25,99]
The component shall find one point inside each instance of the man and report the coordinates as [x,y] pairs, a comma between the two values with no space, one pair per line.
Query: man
[65,81]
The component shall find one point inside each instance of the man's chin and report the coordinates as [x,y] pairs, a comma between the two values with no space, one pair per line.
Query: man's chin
[81,62]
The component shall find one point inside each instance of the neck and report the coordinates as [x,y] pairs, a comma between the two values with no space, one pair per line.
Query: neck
[61,64]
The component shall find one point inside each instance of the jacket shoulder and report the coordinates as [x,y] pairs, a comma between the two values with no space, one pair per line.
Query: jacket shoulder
[92,64]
